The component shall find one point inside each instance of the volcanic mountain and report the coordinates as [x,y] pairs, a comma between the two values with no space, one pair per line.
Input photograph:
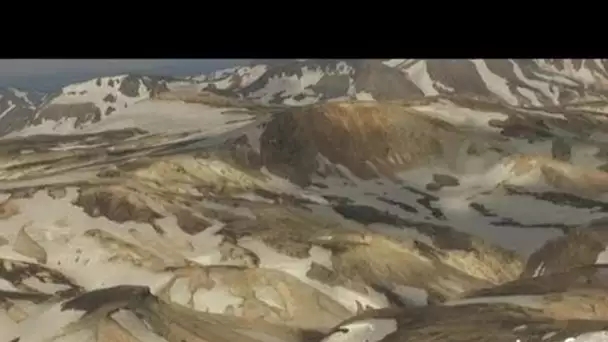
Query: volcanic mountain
[310,200]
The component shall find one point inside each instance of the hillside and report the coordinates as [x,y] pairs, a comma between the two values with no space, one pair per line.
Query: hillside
[218,208]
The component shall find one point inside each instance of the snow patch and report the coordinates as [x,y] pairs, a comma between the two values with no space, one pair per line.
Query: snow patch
[418,74]
[495,83]
[369,330]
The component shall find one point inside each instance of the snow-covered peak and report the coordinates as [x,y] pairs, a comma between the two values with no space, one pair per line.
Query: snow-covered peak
[111,91]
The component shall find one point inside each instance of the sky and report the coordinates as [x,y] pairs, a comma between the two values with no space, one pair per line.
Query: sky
[52,74]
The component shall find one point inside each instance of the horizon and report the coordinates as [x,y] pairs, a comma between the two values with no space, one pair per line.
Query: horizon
[47,75]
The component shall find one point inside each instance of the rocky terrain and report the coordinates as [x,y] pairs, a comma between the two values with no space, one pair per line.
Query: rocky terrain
[310,201]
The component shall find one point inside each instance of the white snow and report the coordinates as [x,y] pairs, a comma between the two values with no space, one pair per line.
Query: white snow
[554,78]
[251,74]
[136,327]
[89,91]
[369,330]
[6,285]
[44,327]
[495,83]
[11,106]
[158,116]
[602,257]
[154,116]
[540,270]
[96,91]
[246,75]
[216,300]
[180,291]
[394,62]
[455,202]
[22,95]
[268,295]
[532,301]
[461,116]
[269,258]
[364,96]
[529,94]
[596,336]
[582,74]
[288,85]
[60,228]
[418,74]
[543,87]
[414,295]
[443,87]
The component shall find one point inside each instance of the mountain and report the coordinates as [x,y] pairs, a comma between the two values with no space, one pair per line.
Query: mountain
[515,82]
[226,208]
[537,83]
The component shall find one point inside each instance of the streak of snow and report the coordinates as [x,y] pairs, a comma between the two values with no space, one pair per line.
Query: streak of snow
[393,62]
[529,94]
[419,75]
[532,301]
[11,106]
[495,83]
[542,86]
[596,336]
[555,78]
[602,257]
[539,270]
[22,95]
